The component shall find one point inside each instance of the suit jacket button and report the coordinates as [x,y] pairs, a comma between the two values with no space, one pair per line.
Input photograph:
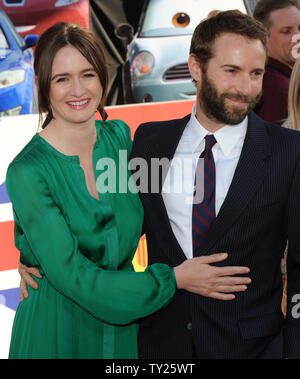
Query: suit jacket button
[189,326]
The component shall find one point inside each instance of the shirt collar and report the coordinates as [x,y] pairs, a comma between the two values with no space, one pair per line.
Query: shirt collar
[227,137]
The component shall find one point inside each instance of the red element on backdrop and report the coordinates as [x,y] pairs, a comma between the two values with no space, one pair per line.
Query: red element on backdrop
[41,14]
[9,256]
[136,114]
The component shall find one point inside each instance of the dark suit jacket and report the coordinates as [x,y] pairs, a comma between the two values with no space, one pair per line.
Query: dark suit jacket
[260,213]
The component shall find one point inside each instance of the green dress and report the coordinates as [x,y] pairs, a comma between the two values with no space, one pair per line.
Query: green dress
[89,298]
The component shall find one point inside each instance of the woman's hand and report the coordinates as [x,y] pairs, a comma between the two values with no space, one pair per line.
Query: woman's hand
[197,275]
[26,278]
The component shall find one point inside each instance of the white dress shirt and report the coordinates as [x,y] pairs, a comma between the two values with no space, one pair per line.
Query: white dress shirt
[178,187]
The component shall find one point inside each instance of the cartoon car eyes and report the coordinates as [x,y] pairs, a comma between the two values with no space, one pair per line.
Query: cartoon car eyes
[181,20]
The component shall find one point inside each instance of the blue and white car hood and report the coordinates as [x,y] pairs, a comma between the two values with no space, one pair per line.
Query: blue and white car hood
[11,59]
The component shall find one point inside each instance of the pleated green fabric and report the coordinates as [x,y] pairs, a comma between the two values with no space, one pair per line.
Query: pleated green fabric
[89,298]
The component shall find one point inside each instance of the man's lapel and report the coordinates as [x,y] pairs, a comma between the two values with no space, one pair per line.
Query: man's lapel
[249,174]
[165,145]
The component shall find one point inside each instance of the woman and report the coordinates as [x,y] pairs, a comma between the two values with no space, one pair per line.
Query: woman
[80,237]
[293,120]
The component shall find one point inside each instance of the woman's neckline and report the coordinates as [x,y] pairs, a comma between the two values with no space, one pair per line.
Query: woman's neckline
[50,147]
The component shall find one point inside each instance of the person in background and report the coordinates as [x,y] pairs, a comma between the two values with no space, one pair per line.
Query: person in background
[293,120]
[282,19]
[80,235]
[213,13]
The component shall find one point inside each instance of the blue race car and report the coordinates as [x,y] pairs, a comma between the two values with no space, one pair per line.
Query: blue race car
[16,69]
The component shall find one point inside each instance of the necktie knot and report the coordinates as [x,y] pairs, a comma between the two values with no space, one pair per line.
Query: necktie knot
[210,141]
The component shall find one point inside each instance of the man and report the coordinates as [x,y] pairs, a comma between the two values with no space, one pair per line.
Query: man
[251,184]
[282,19]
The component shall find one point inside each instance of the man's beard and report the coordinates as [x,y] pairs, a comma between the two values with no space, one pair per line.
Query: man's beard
[214,107]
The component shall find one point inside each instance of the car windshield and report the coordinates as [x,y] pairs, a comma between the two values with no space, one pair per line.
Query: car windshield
[164,18]
[17,37]
[3,41]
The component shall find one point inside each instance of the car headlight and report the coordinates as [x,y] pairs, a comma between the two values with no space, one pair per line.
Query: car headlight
[63,3]
[11,77]
[142,65]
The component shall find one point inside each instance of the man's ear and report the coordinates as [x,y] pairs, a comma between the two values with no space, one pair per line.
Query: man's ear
[195,68]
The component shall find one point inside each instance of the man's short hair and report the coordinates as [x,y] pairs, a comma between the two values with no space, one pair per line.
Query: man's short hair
[232,21]
[264,8]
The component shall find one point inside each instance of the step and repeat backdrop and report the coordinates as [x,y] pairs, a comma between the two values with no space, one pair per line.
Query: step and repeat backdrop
[15,132]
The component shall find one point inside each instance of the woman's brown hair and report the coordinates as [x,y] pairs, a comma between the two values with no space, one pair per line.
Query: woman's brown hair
[51,41]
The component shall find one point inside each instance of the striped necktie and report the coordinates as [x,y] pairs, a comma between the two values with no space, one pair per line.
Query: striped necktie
[204,212]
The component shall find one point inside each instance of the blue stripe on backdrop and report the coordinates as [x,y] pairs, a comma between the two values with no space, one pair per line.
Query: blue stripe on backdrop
[3,194]
[10,298]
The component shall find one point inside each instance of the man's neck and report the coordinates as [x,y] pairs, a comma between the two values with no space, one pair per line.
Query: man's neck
[210,125]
